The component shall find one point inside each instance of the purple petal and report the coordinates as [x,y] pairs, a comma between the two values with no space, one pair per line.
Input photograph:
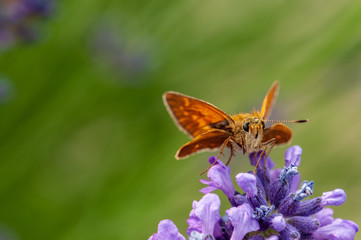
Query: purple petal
[293,155]
[211,159]
[194,223]
[338,230]
[167,230]
[219,176]
[247,182]
[242,221]
[208,189]
[278,223]
[239,199]
[207,210]
[335,198]
[205,181]
[325,216]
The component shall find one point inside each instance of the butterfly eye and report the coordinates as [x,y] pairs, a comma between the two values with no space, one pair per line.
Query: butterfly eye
[263,125]
[246,126]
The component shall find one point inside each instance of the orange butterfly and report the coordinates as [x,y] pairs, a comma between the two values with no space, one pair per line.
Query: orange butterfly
[211,128]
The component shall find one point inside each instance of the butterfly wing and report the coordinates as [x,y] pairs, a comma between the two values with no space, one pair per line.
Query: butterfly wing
[193,116]
[269,100]
[280,132]
[210,140]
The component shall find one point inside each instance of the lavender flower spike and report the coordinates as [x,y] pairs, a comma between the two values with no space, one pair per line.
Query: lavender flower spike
[167,230]
[268,210]
[242,221]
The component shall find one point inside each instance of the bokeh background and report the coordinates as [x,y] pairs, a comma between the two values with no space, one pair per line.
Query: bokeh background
[87,147]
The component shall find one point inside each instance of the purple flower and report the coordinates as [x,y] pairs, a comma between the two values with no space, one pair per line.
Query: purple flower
[337,230]
[205,215]
[293,156]
[242,221]
[247,182]
[335,198]
[278,223]
[325,216]
[272,209]
[167,230]
[334,229]
[219,176]
[254,157]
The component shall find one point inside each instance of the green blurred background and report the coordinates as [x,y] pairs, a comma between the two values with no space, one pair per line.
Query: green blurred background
[87,147]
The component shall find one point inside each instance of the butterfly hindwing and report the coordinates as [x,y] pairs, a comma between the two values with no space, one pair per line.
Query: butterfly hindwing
[280,132]
[210,140]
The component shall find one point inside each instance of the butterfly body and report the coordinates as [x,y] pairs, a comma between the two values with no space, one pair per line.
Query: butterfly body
[210,128]
[248,131]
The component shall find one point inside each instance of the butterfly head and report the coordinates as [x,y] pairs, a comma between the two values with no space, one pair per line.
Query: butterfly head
[252,133]
[254,127]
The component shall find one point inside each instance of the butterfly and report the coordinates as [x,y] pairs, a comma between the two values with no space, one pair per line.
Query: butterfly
[210,128]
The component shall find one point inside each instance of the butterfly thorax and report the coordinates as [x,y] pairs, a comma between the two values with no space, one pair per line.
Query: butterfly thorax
[248,131]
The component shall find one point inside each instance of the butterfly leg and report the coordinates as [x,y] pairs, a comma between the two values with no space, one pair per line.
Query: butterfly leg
[231,155]
[220,153]
[272,143]
[260,157]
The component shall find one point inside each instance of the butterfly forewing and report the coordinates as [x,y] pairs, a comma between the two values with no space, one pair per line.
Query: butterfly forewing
[269,100]
[193,116]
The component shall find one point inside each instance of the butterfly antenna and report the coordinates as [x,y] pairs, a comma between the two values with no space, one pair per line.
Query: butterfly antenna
[287,121]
